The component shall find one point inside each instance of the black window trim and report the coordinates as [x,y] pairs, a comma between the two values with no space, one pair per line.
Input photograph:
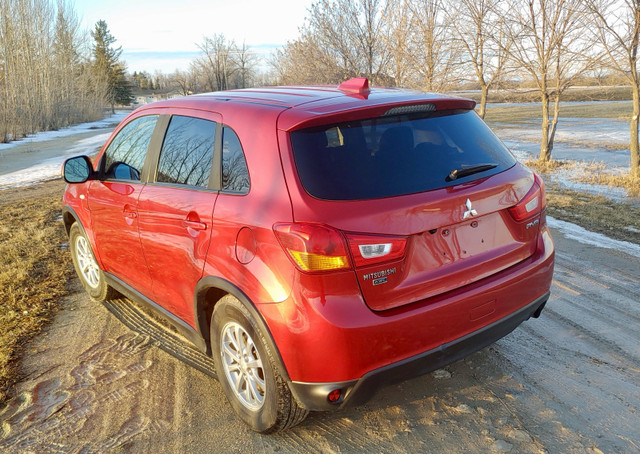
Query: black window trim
[219,166]
[148,159]
[158,140]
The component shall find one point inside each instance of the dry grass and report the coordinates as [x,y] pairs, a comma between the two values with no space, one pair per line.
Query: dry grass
[33,269]
[520,114]
[549,166]
[589,173]
[582,94]
[627,182]
[620,220]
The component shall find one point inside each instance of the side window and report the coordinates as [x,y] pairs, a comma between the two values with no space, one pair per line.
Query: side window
[235,176]
[125,155]
[187,151]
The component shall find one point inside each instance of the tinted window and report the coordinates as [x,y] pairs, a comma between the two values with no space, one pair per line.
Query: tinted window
[391,156]
[187,151]
[125,155]
[235,176]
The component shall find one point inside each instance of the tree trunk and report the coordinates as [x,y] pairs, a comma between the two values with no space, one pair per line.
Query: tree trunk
[554,126]
[545,153]
[633,129]
[483,100]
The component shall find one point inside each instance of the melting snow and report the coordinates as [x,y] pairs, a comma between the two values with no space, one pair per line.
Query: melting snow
[577,233]
[49,169]
[70,131]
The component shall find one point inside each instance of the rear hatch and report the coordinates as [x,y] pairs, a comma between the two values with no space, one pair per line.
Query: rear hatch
[425,201]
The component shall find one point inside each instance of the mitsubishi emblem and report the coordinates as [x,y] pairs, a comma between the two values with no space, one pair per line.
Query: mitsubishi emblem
[470,211]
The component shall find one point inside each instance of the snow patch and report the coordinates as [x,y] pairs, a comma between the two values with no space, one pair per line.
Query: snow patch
[70,131]
[49,169]
[584,236]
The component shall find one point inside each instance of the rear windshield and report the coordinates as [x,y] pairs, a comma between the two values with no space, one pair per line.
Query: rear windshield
[392,156]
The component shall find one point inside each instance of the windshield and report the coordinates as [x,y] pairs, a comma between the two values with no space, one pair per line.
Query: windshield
[397,155]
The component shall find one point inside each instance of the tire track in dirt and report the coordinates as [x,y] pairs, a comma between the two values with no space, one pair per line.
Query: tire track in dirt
[583,353]
[131,315]
[55,410]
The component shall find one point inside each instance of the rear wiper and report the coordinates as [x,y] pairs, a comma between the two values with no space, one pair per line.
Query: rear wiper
[466,171]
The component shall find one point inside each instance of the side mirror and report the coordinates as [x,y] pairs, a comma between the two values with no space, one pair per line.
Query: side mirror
[77,169]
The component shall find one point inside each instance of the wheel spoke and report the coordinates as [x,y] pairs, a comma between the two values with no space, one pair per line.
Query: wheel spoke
[254,391]
[87,264]
[232,353]
[254,364]
[241,380]
[242,366]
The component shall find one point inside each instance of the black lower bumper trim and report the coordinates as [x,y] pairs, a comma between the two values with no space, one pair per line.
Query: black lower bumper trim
[313,396]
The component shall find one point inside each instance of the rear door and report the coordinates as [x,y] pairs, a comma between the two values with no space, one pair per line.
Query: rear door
[175,211]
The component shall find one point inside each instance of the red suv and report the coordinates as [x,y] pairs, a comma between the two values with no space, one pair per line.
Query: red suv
[318,242]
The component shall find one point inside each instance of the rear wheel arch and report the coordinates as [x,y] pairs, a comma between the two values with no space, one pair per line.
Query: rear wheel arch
[209,290]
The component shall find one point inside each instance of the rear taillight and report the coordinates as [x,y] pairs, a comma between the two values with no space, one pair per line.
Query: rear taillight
[372,249]
[532,204]
[313,247]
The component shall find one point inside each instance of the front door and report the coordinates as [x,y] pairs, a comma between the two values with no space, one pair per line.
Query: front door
[113,201]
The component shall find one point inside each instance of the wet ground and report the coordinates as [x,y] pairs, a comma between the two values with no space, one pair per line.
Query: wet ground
[577,139]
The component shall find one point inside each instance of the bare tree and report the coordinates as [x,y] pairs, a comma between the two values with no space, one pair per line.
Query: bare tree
[546,40]
[397,17]
[480,28]
[245,62]
[45,82]
[341,39]
[434,53]
[617,29]
[183,81]
[215,62]
[305,61]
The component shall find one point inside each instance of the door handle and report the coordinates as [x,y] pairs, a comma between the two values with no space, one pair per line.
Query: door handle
[195,225]
[130,214]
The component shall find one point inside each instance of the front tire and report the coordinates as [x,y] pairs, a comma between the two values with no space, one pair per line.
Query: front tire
[86,266]
[247,370]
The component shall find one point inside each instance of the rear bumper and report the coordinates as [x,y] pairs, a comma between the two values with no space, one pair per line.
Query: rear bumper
[313,396]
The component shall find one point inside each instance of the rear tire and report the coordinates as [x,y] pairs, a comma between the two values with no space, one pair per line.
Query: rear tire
[247,370]
[86,266]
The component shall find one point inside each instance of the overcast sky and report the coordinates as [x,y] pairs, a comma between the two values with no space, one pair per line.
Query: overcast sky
[162,34]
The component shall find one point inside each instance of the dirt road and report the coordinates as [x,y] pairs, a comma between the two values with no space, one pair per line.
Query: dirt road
[567,382]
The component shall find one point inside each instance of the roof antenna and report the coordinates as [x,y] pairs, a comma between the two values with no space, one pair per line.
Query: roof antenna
[358,85]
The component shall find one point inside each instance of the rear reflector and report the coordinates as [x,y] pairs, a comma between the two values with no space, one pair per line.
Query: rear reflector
[313,247]
[334,396]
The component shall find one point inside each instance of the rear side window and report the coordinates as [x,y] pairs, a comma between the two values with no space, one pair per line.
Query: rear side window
[398,155]
[235,175]
[125,155]
[187,152]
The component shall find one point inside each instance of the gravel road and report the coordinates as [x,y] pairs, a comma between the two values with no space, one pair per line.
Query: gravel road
[566,382]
